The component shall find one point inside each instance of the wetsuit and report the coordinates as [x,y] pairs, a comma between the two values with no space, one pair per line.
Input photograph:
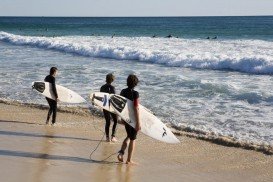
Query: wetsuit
[132,95]
[108,88]
[52,103]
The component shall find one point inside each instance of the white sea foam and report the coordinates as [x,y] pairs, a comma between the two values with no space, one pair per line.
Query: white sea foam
[250,56]
[213,102]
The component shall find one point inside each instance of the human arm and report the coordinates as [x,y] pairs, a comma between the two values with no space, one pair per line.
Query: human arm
[114,90]
[136,111]
[54,89]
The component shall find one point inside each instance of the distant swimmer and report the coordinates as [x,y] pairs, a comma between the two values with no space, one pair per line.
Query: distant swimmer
[215,37]
[154,36]
[208,37]
[169,36]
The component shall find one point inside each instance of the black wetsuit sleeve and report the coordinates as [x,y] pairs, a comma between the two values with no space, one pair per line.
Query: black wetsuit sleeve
[46,79]
[114,90]
[122,93]
[54,87]
[135,95]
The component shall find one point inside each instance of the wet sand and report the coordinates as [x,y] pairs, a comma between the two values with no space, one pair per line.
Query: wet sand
[31,151]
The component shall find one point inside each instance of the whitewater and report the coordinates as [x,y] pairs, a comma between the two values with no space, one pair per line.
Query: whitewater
[249,56]
[216,88]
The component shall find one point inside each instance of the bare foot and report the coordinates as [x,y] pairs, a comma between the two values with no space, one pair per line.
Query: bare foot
[120,157]
[114,139]
[131,163]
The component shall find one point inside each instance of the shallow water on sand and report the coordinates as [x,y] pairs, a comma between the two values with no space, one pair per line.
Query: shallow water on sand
[224,103]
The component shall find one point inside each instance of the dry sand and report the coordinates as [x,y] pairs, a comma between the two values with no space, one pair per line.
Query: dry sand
[31,151]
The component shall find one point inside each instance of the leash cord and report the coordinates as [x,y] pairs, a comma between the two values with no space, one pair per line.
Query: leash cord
[96,128]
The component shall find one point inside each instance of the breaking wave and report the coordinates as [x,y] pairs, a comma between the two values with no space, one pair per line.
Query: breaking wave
[248,56]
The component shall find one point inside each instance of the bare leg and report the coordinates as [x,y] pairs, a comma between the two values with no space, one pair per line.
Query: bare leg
[131,152]
[123,148]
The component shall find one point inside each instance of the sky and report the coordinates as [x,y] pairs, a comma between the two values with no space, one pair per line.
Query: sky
[125,8]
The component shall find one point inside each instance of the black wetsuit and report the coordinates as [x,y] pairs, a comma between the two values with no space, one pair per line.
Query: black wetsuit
[52,103]
[108,88]
[132,95]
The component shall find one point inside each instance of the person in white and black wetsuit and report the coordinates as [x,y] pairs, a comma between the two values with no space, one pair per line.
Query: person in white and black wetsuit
[52,103]
[132,95]
[108,88]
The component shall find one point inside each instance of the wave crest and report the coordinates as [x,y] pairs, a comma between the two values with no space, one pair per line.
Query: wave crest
[249,56]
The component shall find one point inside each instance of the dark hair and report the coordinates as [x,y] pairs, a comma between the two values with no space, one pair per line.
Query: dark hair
[132,81]
[53,70]
[110,78]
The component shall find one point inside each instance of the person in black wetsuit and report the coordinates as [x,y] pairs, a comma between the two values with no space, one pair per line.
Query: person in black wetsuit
[133,95]
[52,103]
[108,88]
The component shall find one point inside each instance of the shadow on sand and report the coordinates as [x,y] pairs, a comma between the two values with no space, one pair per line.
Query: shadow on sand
[37,134]
[51,157]
[43,136]
[45,155]
[20,122]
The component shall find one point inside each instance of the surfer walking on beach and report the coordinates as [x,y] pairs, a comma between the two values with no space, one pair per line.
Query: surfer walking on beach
[51,102]
[133,95]
[108,88]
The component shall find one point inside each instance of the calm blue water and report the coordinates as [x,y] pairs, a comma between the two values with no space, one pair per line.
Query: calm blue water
[222,86]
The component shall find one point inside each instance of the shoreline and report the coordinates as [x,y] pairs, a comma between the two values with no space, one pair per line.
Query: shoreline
[61,153]
[178,131]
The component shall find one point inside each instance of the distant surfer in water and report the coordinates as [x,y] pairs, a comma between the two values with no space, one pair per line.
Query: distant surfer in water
[133,95]
[108,88]
[52,103]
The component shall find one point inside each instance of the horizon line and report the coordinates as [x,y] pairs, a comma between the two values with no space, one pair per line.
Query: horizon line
[21,16]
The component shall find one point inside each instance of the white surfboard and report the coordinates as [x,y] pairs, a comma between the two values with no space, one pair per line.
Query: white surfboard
[64,94]
[150,124]
[101,100]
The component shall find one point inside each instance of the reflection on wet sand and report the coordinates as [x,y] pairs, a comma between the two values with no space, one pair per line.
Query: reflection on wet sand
[104,151]
[43,165]
[128,174]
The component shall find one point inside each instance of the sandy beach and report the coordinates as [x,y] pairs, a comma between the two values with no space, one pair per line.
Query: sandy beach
[33,151]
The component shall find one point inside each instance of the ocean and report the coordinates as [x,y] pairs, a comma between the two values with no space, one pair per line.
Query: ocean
[212,77]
